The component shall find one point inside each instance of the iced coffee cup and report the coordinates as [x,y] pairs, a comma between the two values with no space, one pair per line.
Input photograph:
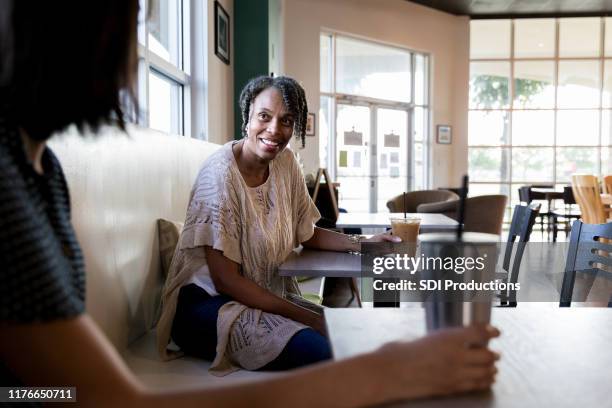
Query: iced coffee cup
[406,228]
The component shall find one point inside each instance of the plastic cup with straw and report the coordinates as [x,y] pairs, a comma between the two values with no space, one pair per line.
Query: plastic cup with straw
[407,228]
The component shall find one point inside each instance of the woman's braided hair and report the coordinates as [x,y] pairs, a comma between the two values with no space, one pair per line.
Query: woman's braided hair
[293,96]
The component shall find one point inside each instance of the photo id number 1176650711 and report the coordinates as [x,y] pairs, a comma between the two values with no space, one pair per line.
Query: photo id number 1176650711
[37,394]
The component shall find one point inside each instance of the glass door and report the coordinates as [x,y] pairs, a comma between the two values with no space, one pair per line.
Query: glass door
[353,132]
[392,171]
[372,155]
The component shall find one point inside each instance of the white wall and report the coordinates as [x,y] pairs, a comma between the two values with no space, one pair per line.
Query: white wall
[220,86]
[444,36]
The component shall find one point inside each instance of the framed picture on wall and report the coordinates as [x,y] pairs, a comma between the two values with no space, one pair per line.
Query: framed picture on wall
[444,135]
[310,125]
[222,33]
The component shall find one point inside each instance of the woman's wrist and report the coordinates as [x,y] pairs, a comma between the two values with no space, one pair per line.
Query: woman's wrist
[391,361]
[304,316]
[387,385]
[354,242]
[315,320]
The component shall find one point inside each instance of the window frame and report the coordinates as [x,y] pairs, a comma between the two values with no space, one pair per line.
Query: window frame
[337,97]
[601,58]
[149,61]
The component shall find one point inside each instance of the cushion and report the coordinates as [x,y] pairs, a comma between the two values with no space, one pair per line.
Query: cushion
[169,233]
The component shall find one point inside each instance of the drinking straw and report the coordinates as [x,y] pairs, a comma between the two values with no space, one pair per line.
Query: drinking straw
[404,205]
[464,188]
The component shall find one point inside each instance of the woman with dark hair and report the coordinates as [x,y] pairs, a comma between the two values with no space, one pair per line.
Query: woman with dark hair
[65,63]
[249,209]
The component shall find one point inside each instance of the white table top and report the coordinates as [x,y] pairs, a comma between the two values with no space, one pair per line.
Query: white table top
[551,356]
[429,222]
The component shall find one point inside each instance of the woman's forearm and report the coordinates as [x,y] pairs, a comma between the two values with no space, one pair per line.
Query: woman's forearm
[354,382]
[442,363]
[330,241]
[227,279]
[102,378]
[252,295]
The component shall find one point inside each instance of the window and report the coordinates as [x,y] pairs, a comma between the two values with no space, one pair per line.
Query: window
[540,103]
[164,80]
[373,119]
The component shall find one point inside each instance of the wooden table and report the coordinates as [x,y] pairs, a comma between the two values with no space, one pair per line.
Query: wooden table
[551,357]
[429,222]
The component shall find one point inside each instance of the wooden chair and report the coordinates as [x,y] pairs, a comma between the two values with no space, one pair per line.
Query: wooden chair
[589,252]
[523,219]
[586,192]
[607,184]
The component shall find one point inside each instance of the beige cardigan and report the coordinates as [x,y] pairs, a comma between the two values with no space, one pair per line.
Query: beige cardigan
[256,235]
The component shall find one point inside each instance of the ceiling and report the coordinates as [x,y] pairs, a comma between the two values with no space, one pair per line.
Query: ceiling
[521,8]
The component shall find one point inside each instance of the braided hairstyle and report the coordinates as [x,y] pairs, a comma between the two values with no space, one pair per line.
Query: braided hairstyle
[293,96]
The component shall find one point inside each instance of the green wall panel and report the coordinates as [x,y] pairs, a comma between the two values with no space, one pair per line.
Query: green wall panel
[250,47]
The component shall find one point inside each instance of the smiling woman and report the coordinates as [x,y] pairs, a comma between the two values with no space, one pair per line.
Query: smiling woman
[249,208]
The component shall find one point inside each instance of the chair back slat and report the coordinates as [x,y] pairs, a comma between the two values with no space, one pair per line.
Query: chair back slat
[524,195]
[605,246]
[607,184]
[586,192]
[521,226]
[586,254]
[586,259]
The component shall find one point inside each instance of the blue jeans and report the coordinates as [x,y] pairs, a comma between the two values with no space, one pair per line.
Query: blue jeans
[194,330]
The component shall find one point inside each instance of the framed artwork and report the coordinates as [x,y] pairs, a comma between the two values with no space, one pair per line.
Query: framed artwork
[444,135]
[222,33]
[311,125]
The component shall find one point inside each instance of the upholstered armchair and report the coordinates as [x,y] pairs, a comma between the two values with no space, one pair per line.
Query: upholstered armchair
[416,198]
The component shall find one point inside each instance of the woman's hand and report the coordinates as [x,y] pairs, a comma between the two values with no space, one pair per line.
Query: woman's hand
[445,362]
[382,237]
